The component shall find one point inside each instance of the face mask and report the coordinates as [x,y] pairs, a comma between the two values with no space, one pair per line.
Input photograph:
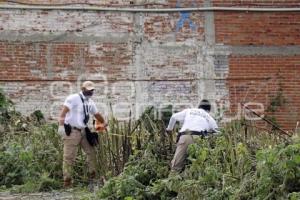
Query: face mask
[87,96]
[88,93]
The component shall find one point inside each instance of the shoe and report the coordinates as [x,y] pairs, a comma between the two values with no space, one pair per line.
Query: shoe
[67,183]
[91,186]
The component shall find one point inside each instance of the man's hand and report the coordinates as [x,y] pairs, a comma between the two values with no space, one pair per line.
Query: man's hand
[100,126]
[61,130]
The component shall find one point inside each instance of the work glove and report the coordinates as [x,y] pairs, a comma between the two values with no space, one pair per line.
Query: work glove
[100,127]
[61,130]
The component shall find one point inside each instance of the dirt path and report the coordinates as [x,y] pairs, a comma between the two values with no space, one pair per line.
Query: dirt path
[47,196]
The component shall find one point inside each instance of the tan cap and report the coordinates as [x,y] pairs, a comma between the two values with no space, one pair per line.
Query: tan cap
[89,85]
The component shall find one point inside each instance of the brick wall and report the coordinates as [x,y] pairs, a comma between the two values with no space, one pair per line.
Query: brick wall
[257,28]
[272,81]
[257,3]
[261,69]
[140,59]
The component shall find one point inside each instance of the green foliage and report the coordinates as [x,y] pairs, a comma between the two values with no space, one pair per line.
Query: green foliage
[236,164]
[31,149]
[141,170]
[294,196]
[5,103]
[42,184]
[278,171]
[38,116]
[231,165]
[30,152]
[27,155]
[5,107]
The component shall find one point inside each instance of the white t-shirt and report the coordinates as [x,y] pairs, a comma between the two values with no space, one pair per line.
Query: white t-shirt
[193,120]
[75,116]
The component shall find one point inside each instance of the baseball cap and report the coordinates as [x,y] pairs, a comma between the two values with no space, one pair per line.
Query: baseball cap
[89,85]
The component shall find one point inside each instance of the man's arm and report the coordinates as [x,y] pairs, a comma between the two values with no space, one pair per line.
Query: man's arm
[62,115]
[99,117]
[176,117]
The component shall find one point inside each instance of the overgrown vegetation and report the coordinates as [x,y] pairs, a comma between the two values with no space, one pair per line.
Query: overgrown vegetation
[240,163]
[30,151]
[232,165]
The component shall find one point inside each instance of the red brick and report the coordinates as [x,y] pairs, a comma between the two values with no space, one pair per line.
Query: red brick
[284,73]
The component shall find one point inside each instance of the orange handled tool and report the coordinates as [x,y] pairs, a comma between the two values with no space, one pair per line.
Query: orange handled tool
[100,127]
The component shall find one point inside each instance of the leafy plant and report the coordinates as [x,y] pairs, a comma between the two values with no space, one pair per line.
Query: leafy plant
[241,162]
[231,165]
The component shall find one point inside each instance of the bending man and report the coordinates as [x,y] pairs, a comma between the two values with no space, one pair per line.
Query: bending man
[196,123]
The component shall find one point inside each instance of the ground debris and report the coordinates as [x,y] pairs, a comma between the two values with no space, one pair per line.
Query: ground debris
[54,195]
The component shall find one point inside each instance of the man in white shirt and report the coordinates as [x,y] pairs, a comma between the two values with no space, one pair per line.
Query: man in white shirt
[196,122]
[75,114]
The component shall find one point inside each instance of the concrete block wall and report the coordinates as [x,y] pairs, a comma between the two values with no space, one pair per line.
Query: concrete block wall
[140,59]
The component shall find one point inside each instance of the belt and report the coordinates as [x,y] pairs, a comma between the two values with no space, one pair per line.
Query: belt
[201,133]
